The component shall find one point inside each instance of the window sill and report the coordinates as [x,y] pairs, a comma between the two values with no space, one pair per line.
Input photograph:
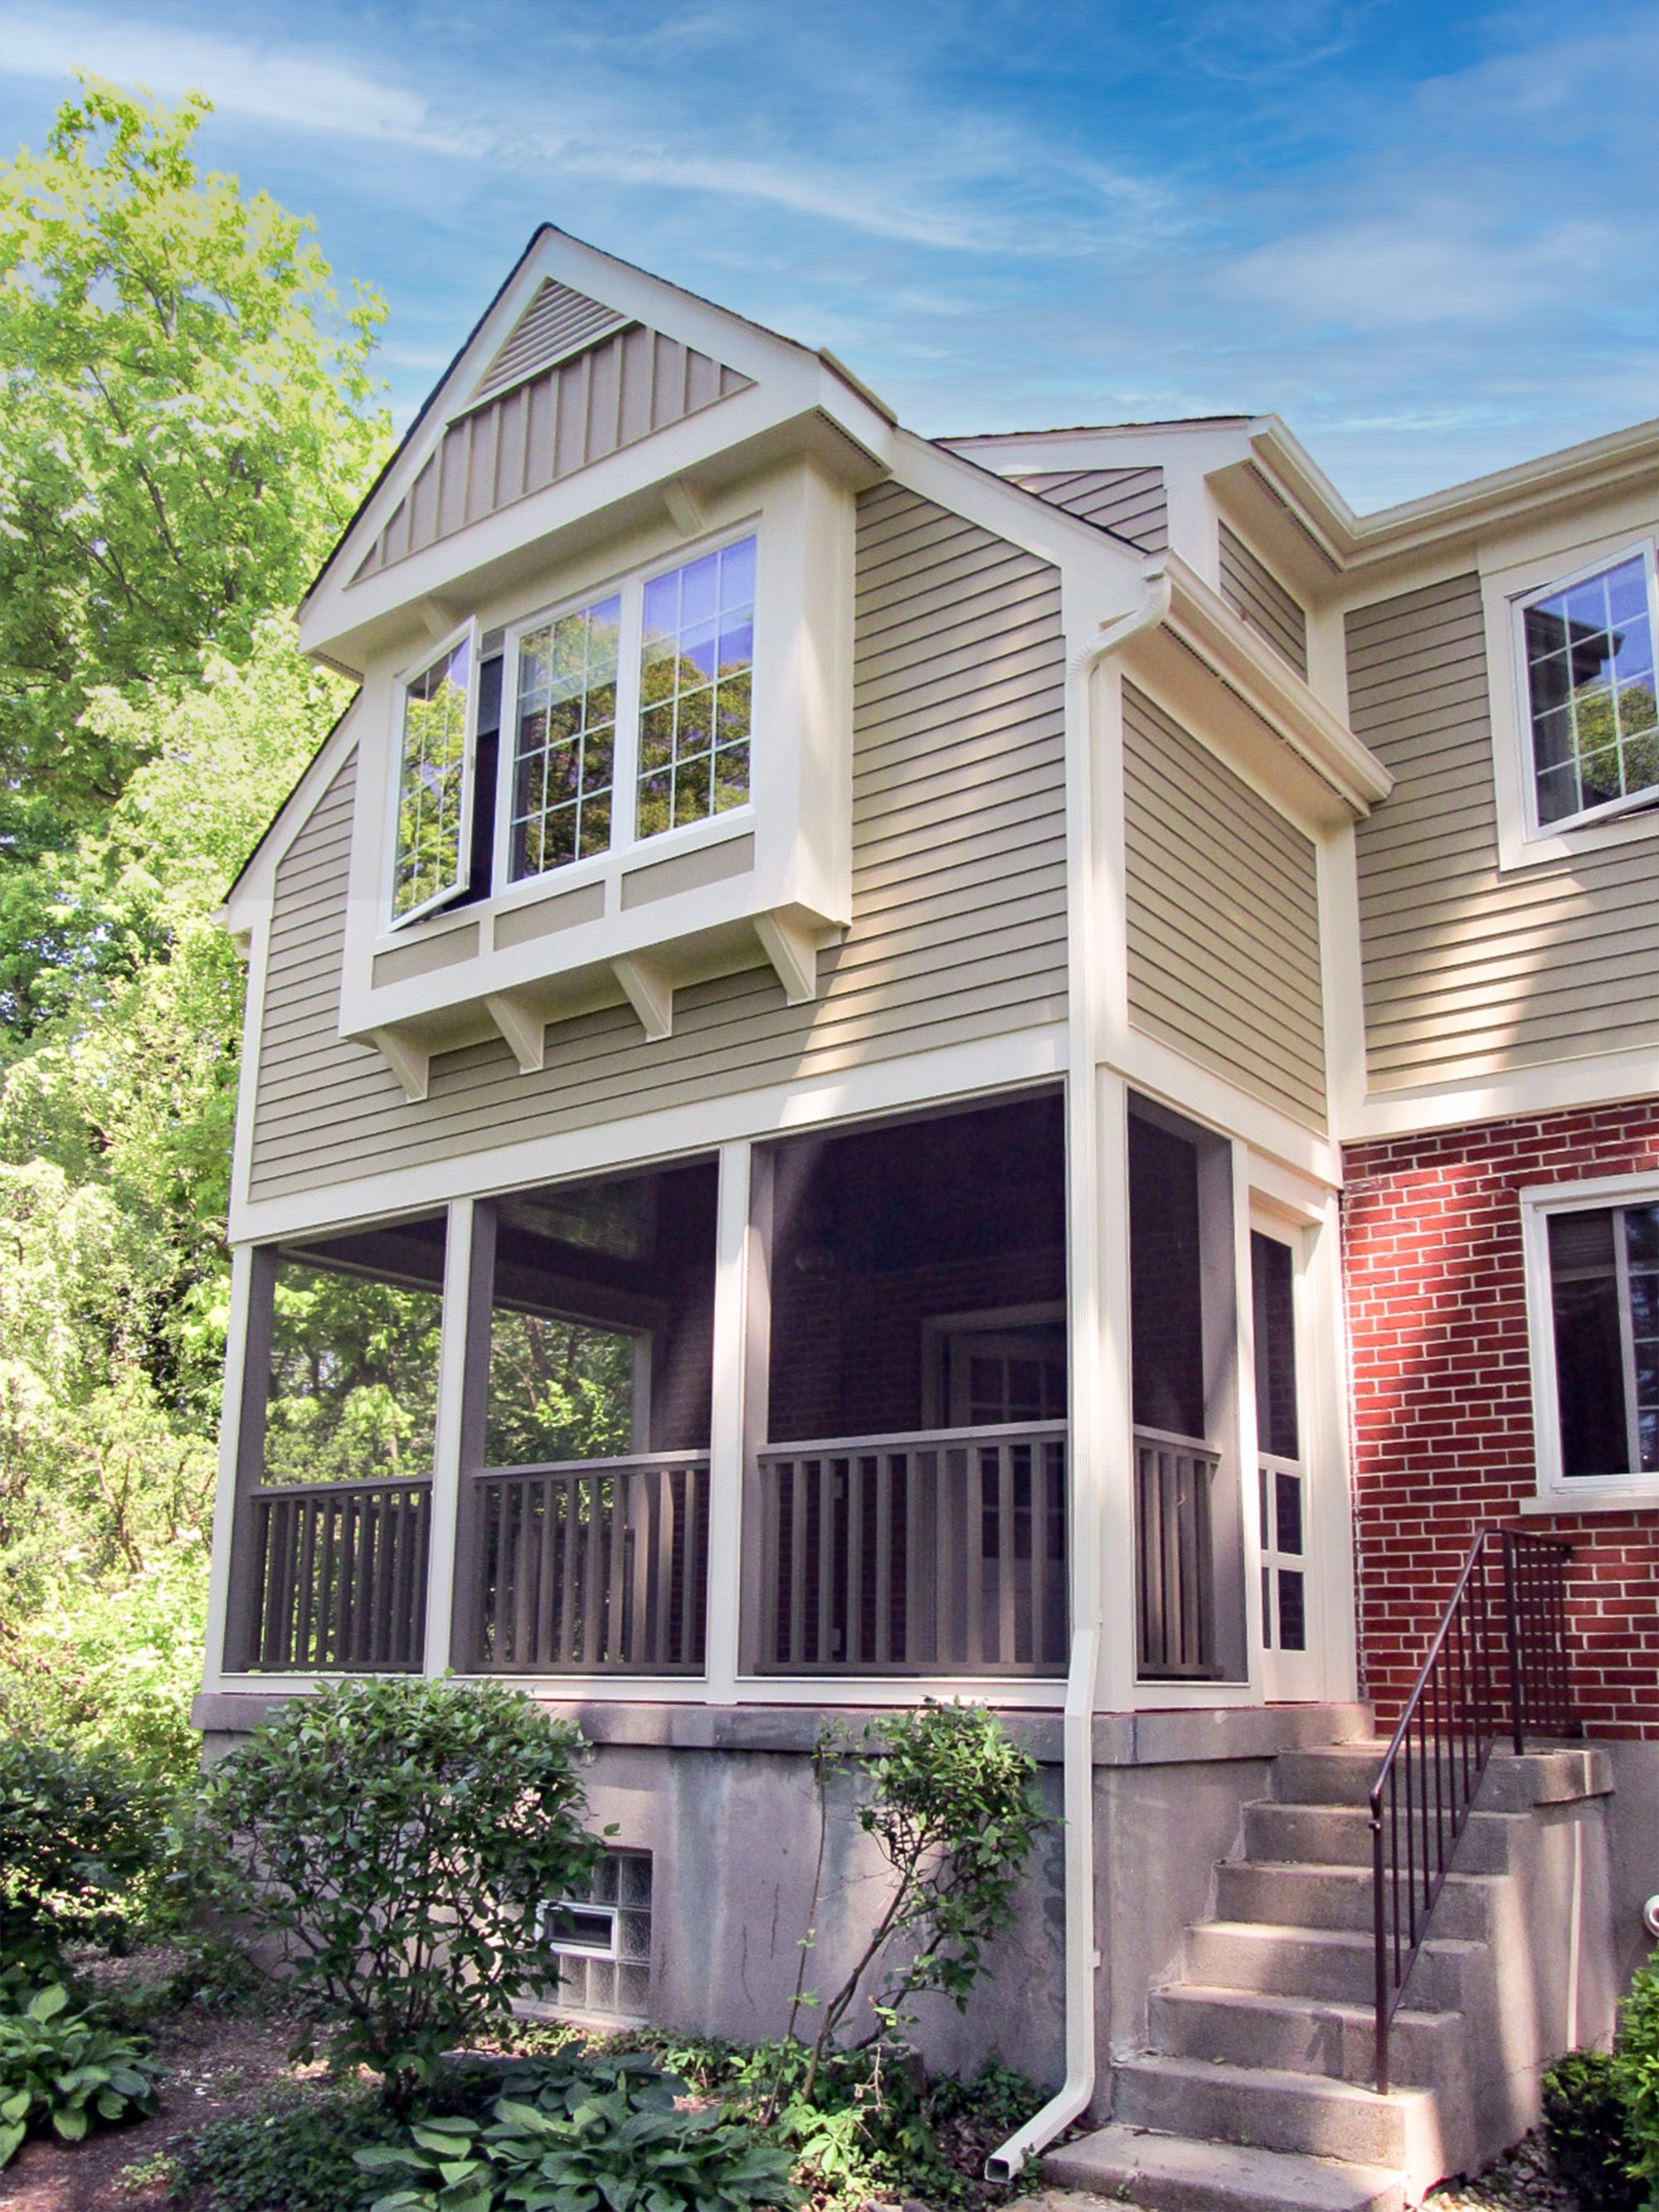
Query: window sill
[1633,1498]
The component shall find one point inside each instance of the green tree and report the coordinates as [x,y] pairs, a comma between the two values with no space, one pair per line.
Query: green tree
[186,422]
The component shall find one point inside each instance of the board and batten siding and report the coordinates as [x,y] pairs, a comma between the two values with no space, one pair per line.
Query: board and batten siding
[959,903]
[1129,502]
[1253,592]
[1222,904]
[1470,971]
[628,385]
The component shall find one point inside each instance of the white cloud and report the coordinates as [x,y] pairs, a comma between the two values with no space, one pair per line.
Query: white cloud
[300,87]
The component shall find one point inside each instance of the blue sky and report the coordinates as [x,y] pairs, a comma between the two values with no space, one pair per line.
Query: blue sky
[1426,235]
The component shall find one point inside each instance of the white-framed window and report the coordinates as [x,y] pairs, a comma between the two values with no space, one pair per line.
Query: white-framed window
[436,708]
[625,715]
[1592,1259]
[1585,656]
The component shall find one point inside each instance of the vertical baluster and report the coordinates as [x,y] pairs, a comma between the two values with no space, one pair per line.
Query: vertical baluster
[642,1524]
[1043,1475]
[538,1653]
[564,1499]
[950,1550]
[592,1589]
[526,1492]
[796,1639]
[1410,1846]
[1437,1701]
[1007,1566]
[268,1635]
[422,1526]
[367,1578]
[974,1537]
[826,1527]
[403,1544]
[663,1537]
[857,1560]
[883,1655]
[696,1574]
[300,1611]
[617,1565]
[919,1646]
[1393,1862]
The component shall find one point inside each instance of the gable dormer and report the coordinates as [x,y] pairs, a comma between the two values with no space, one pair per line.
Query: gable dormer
[600,607]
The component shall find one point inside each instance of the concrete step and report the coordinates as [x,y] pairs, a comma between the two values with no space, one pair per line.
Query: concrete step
[1269,2108]
[1336,1774]
[1307,2035]
[1319,1962]
[1343,1773]
[1340,1835]
[1340,1897]
[1169,2174]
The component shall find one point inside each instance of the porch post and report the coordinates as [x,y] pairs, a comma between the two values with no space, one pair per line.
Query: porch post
[463,1383]
[232,1596]
[726,1435]
[1115,1437]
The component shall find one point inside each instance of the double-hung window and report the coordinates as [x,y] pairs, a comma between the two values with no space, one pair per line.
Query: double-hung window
[624,717]
[1588,651]
[1595,1287]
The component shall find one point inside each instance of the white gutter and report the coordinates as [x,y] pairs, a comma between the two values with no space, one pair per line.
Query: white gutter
[1073,2098]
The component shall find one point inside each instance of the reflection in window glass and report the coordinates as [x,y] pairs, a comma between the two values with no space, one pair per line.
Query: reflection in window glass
[1604,1299]
[696,669]
[558,1390]
[565,741]
[1273,1289]
[1590,690]
[353,1393]
[432,784]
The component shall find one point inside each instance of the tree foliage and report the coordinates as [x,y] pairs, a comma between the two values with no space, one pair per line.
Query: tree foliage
[185,420]
[184,425]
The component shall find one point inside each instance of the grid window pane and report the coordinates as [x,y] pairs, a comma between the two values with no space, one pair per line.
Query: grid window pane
[695,661]
[564,740]
[432,783]
[1590,692]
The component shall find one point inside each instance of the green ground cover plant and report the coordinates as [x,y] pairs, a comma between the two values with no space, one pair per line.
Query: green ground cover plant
[62,2068]
[1636,2075]
[80,1840]
[1587,2133]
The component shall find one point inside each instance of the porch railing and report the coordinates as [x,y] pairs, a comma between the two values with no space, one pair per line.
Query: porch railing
[339,1577]
[595,1568]
[1175,1556]
[1497,1664]
[939,1553]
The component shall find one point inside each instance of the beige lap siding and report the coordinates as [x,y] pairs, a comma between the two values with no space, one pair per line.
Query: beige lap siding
[958,896]
[1469,972]
[1223,918]
[1129,502]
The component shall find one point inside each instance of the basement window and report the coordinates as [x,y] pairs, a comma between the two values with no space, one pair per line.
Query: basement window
[603,1939]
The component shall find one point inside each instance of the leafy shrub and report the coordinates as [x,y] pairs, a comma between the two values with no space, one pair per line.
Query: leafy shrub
[950,1803]
[65,2068]
[296,2152]
[78,1837]
[568,2135]
[1588,2131]
[1635,2073]
[401,1839]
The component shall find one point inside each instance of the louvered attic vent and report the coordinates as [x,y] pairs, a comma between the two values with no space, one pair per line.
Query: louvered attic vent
[557,322]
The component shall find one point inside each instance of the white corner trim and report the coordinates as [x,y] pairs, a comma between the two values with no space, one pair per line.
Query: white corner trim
[794,954]
[650,992]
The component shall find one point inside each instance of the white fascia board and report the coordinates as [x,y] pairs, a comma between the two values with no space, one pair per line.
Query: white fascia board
[979,494]
[1182,447]
[1510,496]
[1332,777]
[1611,1079]
[249,902]
[896,1085]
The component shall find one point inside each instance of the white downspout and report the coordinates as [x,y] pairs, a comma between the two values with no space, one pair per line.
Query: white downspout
[1072,2099]
[1072,2096]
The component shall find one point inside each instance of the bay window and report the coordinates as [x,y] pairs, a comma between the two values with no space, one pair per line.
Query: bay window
[629,715]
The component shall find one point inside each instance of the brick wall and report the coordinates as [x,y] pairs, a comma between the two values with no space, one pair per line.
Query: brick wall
[1442,1400]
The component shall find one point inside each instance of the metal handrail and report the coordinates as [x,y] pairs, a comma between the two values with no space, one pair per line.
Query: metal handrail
[1446,1736]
